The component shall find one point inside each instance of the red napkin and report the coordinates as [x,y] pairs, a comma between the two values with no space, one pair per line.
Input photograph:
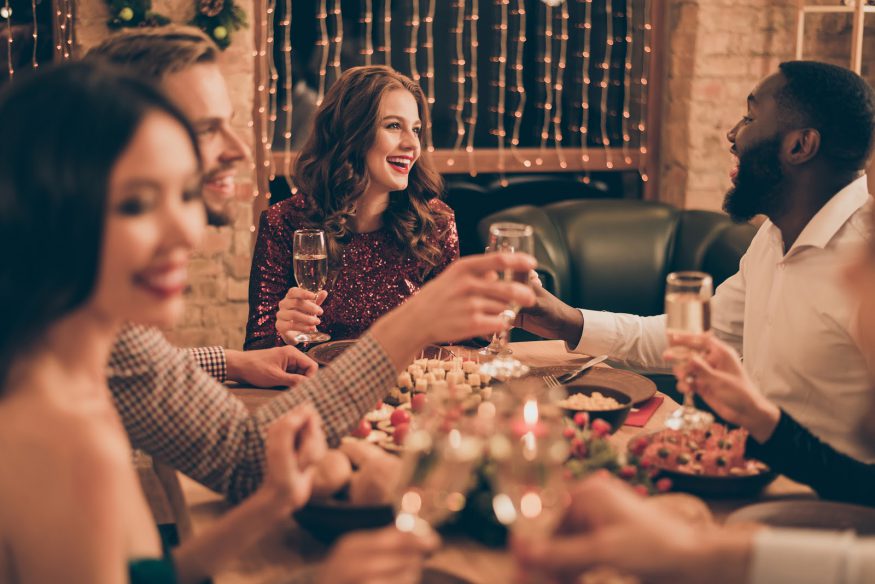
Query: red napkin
[645,412]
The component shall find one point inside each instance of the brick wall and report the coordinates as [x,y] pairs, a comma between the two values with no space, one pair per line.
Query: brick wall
[217,302]
[717,51]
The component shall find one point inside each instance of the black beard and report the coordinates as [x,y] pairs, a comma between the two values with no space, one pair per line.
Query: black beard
[759,185]
[217,219]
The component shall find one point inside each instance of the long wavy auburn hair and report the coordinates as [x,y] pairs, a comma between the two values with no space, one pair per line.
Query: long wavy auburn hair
[332,173]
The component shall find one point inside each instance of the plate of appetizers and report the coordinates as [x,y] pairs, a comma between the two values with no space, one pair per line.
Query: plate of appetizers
[708,462]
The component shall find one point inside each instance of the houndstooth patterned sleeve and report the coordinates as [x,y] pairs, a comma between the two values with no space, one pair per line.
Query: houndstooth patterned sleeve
[174,411]
[211,360]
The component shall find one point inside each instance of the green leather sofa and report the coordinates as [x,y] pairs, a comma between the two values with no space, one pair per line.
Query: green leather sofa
[610,254]
[614,254]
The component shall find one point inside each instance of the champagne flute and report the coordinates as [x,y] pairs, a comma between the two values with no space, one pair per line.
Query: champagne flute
[494,346]
[528,475]
[310,259]
[438,471]
[513,238]
[688,317]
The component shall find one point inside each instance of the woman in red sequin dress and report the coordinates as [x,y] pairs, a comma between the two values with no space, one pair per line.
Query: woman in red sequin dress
[362,178]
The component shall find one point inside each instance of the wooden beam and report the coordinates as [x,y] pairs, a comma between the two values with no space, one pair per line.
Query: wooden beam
[486,160]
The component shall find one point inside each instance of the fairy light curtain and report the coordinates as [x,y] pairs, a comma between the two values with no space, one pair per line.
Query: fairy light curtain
[31,32]
[531,84]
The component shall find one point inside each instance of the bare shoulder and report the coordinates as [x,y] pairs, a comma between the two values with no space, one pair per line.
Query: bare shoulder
[66,473]
[58,453]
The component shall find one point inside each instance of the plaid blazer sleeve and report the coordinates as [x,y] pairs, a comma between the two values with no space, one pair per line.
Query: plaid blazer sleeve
[174,411]
[211,360]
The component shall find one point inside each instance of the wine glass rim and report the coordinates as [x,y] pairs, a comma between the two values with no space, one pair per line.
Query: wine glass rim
[308,231]
[515,228]
[688,276]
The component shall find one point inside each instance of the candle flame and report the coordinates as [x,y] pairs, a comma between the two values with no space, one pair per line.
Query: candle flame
[530,412]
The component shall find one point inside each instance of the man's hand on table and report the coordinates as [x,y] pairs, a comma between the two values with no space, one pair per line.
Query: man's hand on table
[608,524]
[550,318]
[376,557]
[278,366]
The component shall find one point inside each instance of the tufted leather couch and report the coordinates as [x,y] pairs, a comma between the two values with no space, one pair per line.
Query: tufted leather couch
[608,254]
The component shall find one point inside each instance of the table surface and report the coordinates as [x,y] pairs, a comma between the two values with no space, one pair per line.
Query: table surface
[289,550]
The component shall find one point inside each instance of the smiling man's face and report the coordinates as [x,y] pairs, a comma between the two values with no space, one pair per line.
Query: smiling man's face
[201,93]
[756,142]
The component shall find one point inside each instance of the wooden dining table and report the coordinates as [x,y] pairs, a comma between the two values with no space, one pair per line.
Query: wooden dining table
[288,551]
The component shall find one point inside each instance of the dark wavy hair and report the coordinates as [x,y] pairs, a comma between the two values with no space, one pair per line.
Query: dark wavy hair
[331,169]
[63,130]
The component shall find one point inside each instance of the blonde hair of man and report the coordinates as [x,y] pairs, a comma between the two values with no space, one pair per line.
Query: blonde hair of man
[156,52]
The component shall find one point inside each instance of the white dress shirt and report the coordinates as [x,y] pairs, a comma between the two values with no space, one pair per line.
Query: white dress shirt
[798,556]
[788,315]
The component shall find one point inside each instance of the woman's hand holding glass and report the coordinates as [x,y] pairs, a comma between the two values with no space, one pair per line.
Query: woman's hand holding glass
[298,313]
[714,372]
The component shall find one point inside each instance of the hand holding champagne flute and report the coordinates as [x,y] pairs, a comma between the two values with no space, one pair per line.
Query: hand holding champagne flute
[311,271]
[688,319]
[513,238]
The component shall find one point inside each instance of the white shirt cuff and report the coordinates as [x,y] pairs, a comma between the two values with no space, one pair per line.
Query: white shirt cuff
[599,335]
[800,556]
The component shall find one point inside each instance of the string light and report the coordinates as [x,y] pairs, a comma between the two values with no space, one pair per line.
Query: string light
[68,29]
[387,32]
[645,69]
[33,59]
[59,46]
[459,80]
[8,14]
[547,79]
[429,70]
[558,85]
[288,88]
[270,126]
[414,40]
[501,60]
[627,83]
[472,100]
[518,88]
[368,20]
[322,43]
[338,38]
[586,34]
[606,78]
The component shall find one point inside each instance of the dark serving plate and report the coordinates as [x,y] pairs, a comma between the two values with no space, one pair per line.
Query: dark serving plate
[637,387]
[809,515]
[328,519]
[616,417]
[727,487]
[715,487]
[325,353]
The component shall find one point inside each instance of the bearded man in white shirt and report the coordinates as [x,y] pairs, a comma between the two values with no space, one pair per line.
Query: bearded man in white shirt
[802,148]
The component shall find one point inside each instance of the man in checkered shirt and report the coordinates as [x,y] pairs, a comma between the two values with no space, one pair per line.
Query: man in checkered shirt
[172,402]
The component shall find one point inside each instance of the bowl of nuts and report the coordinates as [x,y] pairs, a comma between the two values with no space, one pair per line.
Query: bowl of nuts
[603,403]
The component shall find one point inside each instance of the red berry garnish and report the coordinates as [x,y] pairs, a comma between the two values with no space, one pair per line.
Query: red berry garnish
[581,419]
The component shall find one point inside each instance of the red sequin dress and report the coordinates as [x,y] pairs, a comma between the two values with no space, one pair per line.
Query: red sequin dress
[374,277]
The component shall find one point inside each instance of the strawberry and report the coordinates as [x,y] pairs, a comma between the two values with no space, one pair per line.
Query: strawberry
[363,429]
[399,417]
[417,402]
[581,419]
[600,428]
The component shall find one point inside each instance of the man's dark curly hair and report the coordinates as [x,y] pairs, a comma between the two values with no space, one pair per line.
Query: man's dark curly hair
[836,102]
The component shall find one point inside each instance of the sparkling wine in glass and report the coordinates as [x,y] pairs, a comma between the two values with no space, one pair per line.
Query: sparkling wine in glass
[688,318]
[438,471]
[509,238]
[528,456]
[310,260]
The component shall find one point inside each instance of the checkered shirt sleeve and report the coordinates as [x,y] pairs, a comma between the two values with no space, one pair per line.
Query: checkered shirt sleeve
[174,411]
[211,360]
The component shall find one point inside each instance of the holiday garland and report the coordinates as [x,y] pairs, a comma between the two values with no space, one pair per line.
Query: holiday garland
[217,18]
